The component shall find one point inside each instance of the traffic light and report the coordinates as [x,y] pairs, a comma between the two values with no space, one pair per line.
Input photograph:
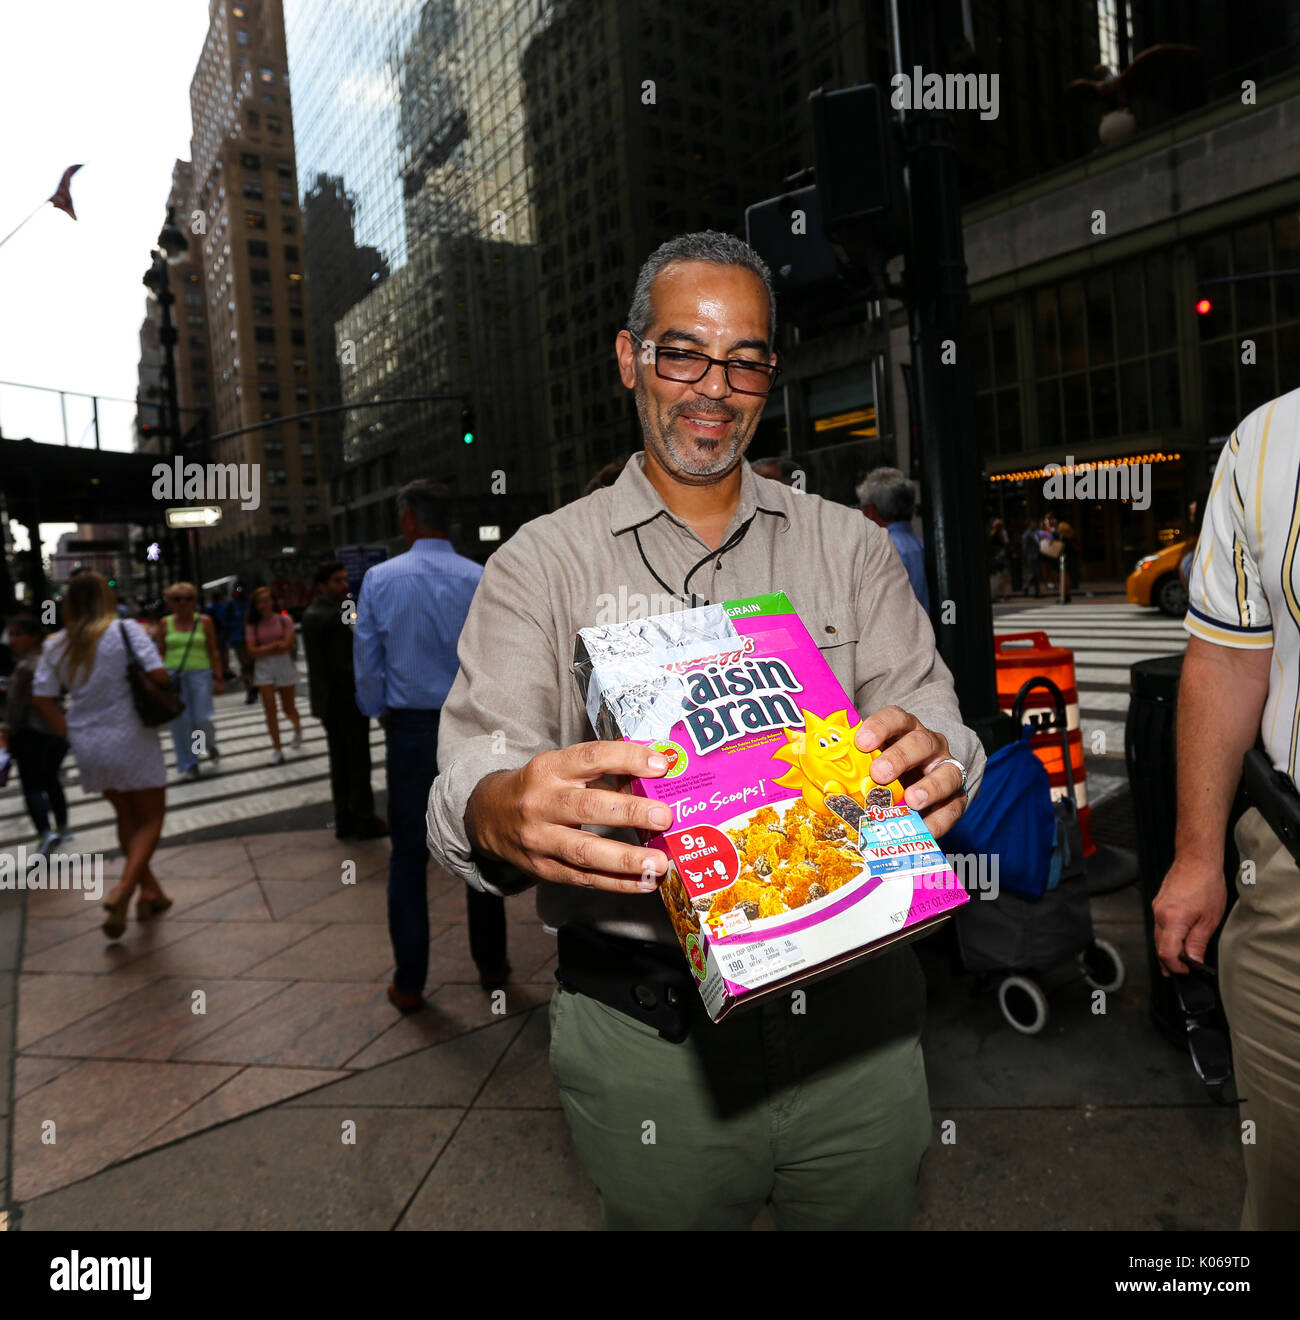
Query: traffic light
[467,424]
[1204,307]
[858,166]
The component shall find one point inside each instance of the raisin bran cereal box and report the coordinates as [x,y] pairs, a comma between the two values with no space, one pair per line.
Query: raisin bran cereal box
[786,860]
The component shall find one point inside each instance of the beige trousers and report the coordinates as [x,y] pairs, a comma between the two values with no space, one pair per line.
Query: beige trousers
[1259,974]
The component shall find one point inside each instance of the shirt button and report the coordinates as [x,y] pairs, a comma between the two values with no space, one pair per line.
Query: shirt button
[829,629]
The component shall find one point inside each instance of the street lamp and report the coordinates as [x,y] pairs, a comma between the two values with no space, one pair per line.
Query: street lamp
[172,247]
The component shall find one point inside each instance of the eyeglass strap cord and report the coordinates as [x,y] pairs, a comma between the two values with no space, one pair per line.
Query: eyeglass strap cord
[737,536]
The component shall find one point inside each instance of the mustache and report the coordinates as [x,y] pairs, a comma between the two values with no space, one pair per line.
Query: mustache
[718,411]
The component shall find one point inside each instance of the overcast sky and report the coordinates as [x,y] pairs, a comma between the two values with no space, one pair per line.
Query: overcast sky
[105,85]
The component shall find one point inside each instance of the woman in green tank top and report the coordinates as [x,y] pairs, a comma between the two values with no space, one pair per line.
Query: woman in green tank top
[188,642]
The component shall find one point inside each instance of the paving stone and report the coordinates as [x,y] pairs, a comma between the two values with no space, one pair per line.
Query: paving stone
[99,1109]
[446,1075]
[292,1171]
[475,1183]
[1125,1168]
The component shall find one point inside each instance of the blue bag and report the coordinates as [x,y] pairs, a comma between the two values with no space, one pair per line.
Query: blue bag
[1012,816]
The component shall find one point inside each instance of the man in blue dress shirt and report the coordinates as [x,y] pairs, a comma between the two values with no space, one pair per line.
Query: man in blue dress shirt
[888,498]
[409,618]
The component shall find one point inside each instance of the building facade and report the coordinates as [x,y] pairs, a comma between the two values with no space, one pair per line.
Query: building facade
[244,224]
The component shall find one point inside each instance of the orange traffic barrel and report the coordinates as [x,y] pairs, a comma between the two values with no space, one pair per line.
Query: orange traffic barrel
[1020,657]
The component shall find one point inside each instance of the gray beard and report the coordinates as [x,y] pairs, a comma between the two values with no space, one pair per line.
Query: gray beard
[724,456]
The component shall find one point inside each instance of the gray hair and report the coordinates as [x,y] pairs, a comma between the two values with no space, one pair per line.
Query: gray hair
[429,503]
[890,491]
[710,245]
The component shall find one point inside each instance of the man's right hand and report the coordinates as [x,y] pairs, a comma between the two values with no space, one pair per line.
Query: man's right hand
[1188,910]
[532,817]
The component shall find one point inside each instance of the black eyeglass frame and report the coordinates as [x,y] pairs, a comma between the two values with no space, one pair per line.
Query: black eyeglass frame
[725,363]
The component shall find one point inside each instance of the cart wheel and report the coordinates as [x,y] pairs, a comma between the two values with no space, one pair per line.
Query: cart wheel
[1103,968]
[1023,1004]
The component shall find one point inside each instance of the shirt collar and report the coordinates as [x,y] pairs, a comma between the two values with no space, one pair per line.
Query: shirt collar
[635,501]
[433,545]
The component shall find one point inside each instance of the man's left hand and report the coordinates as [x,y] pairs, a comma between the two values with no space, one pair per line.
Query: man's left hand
[911,753]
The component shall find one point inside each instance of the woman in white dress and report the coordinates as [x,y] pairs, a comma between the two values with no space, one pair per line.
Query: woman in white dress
[116,754]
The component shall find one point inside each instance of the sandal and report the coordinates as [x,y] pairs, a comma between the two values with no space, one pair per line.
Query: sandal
[145,908]
[115,926]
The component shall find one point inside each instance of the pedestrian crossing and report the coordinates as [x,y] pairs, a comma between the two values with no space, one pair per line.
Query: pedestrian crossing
[241,787]
[1106,641]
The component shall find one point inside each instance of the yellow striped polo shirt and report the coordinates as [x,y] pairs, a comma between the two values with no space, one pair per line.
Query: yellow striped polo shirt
[1244,589]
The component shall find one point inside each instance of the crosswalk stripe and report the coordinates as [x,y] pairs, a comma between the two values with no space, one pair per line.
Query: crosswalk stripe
[241,786]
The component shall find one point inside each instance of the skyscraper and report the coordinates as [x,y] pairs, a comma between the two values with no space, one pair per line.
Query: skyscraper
[244,225]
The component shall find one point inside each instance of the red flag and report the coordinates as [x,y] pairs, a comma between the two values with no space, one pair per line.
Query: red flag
[62,195]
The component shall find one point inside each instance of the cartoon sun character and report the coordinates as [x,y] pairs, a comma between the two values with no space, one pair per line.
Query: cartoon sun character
[824,759]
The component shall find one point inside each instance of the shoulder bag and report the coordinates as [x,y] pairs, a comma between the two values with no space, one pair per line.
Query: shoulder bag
[155,704]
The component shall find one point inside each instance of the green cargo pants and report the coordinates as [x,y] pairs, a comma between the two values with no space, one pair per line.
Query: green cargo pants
[814,1103]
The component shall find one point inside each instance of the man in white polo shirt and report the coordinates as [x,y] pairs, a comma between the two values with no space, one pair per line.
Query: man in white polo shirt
[1241,678]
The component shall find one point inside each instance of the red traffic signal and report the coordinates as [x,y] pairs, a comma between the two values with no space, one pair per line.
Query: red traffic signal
[1204,306]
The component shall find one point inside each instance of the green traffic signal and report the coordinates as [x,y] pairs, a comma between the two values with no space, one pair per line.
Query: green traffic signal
[467,424]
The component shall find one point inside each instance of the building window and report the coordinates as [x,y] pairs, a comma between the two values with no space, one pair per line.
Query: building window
[197,341]
[997,381]
[266,74]
[288,225]
[273,447]
[250,160]
[267,362]
[279,508]
[253,190]
[241,36]
[254,219]
[298,338]
[268,390]
[276,477]
[299,366]
[263,334]
[309,476]
[291,252]
[307,448]
[261,307]
[288,197]
[257,248]
[273,123]
[258,275]
[252,119]
[193,300]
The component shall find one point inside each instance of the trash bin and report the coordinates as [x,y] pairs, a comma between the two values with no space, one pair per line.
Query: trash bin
[1151,758]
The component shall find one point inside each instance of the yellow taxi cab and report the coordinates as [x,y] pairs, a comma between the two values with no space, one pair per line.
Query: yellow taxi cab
[1155,580]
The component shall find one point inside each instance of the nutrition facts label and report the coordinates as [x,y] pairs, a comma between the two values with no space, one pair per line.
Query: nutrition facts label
[756,964]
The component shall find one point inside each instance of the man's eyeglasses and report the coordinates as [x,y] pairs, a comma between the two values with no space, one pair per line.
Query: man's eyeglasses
[686,367]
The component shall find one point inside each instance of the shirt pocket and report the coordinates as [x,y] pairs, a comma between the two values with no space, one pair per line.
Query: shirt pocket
[832,622]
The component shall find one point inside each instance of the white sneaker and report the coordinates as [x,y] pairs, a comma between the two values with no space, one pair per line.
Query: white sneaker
[277,757]
[296,745]
[48,840]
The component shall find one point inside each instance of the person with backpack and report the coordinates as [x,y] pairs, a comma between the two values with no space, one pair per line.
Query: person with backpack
[269,637]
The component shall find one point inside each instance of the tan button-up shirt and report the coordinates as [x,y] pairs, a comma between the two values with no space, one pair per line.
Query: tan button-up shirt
[516,695]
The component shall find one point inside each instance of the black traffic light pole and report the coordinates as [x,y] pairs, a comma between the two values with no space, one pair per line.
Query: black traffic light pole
[950,462]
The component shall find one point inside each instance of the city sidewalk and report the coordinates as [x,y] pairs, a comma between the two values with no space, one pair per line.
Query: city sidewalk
[298,1098]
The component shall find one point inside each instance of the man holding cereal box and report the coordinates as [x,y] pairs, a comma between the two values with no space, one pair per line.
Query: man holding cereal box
[748,663]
